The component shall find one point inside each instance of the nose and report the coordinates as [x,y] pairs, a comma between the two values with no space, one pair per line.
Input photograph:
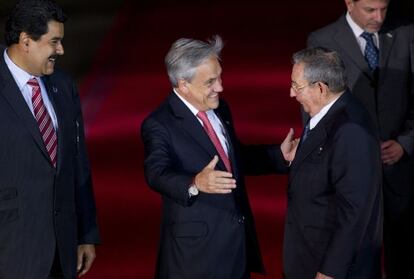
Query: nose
[218,87]
[379,16]
[59,49]
[292,93]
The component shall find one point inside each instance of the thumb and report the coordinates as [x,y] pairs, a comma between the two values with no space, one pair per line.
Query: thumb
[289,136]
[213,162]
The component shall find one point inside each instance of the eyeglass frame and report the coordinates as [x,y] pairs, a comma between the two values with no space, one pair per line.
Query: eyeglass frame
[297,89]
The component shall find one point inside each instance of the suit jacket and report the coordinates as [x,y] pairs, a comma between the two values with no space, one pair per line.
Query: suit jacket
[389,95]
[333,223]
[210,235]
[42,208]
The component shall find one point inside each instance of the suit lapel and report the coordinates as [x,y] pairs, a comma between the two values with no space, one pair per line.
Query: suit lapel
[386,40]
[346,40]
[14,98]
[192,127]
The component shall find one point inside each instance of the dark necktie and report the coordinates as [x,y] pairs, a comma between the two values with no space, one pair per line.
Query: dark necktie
[44,121]
[306,131]
[371,51]
[214,139]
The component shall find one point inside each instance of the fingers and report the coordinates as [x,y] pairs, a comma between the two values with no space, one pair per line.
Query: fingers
[213,163]
[86,256]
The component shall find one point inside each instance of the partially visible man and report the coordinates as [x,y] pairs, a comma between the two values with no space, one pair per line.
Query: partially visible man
[195,161]
[47,211]
[334,218]
[379,61]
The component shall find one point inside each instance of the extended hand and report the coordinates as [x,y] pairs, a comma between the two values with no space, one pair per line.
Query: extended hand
[391,152]
[289,146]
[323,276]
[212,181]
[86,256]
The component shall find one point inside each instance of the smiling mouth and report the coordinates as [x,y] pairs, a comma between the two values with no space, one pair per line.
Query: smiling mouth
[53,58]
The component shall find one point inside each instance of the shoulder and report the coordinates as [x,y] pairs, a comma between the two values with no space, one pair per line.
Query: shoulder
[354,117]
[329,29]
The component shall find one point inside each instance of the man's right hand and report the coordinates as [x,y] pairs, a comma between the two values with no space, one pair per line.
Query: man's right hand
[213,181]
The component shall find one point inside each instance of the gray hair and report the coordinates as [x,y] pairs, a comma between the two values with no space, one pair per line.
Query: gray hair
[185,55]
[322,65]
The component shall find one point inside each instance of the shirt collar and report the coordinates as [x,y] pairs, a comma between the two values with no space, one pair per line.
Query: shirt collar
[317,117]
[356,29]
[20,76]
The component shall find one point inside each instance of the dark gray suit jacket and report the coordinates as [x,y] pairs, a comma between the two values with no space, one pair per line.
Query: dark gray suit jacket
[42,208]
[213,235]
[334,216]
[390,100]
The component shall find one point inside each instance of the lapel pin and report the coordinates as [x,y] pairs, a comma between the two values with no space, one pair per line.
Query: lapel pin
[389,35]
[320,150]
[54,89]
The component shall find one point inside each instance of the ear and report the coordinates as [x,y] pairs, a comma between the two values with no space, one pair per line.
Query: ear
[183,86]
[349,4]
[24,40]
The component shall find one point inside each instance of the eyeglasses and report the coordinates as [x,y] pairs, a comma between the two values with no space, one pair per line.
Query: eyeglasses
[297,88]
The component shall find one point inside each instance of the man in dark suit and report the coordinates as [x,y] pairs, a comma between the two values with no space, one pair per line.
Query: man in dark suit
[47,211]
[380,70]
[194,160]
[334,219]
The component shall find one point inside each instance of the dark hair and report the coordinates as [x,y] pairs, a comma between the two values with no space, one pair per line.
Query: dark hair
[32,17]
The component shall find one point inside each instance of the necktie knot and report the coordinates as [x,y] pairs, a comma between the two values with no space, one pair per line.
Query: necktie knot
[367,36]
[33,82]
[371,51]
[203,116]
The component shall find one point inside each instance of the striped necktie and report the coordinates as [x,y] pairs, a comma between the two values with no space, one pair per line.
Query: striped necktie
[44,121]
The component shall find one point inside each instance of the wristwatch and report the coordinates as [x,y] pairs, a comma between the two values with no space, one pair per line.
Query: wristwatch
[192,190]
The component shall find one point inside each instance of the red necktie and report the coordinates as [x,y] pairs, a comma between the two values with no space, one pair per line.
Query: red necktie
[44,121]
[213,137]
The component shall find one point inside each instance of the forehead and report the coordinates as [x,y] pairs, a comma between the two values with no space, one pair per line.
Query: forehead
[297,72]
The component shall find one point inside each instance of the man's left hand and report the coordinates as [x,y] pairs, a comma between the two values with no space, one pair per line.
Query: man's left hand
[289,146]
[391,152]
[86,256]
[322,276]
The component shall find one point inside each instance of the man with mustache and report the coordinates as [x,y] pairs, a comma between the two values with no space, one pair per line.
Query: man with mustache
[47,210]
[379,61]
[195,161]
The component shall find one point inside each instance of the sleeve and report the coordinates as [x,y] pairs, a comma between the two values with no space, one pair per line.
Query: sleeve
[160,166]
[356,178]
[85,202]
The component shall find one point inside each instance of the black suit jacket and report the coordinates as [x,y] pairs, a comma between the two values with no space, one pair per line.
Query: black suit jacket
[388,96]
[42,208]
[333,223]
[211,235]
